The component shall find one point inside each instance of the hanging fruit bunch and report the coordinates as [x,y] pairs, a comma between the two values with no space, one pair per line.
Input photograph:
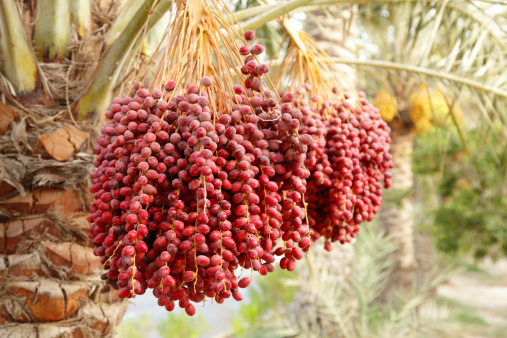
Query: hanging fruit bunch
[349,156]
[429,107]
[386,104]
[200,172]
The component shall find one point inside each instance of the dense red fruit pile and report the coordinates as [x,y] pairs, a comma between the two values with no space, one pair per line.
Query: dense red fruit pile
[190,186]
[184,195]
[348,159]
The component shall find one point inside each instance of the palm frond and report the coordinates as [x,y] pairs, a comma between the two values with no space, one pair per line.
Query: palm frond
[451,38]
[324,308]
[457,46]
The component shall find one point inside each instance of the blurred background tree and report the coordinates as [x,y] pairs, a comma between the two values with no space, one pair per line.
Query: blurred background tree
[174,325]
[469,207]
[342,309]
[429,64]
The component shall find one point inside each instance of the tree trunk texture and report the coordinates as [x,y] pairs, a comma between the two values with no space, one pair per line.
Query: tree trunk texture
[396,219]
[425,255]
[334,30]
[49,277]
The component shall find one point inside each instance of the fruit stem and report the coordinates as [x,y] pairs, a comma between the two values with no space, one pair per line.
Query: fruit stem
[197,10]
[199,29]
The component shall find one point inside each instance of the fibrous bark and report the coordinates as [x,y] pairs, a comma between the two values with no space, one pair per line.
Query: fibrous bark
[49,278]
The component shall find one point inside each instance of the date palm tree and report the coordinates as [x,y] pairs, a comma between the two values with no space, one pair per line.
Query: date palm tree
[61,62]
[58,72]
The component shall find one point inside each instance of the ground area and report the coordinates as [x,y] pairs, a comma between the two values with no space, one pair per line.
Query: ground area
[476,297]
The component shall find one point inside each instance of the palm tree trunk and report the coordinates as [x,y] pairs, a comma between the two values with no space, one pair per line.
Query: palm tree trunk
[425,198]
[49,283]
[334,30]
[396,219]
[49,277]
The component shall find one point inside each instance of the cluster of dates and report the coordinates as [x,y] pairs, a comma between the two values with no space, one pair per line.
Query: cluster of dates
[348,161]
[191,185]
[184,195]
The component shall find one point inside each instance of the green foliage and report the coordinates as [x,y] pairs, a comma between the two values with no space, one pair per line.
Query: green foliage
[468,317]
[472,204]
[135,327]
[270,293]
[175,325]
[178,325]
